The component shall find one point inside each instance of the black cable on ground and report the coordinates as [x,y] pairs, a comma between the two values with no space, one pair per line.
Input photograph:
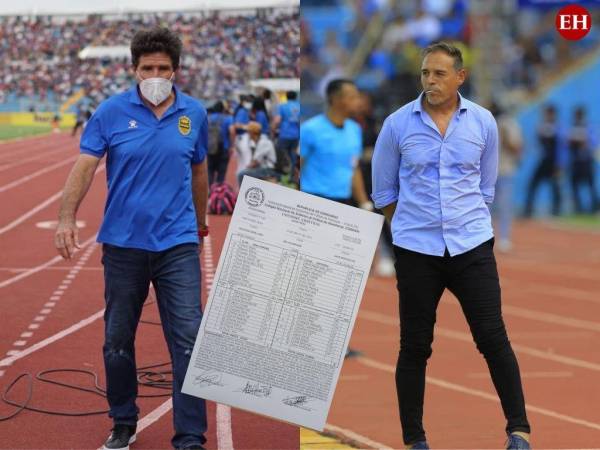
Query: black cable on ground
[29,395]
[153,379]
[162,379]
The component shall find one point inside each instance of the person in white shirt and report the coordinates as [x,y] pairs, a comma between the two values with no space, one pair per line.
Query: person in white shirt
[259,150]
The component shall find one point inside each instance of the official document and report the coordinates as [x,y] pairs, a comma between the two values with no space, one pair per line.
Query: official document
[285,296]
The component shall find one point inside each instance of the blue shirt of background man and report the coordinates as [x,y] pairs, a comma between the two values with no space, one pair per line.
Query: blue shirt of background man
[242,116]
[225,132]
[149,169]
[225,120]
[261,118]
[441,184]
[330,155]
[289,127]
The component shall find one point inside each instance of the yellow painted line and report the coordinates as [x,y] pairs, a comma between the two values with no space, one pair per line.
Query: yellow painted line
[311,440]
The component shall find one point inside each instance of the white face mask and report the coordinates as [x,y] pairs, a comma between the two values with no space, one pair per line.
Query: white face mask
[156,90]
[247,105]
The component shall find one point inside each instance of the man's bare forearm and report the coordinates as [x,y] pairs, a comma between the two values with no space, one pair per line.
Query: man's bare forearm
[77,186]
[388,211]
[200,191]
[358,187]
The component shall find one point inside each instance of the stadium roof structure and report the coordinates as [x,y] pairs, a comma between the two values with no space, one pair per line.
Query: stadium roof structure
[277,84]
[68,7]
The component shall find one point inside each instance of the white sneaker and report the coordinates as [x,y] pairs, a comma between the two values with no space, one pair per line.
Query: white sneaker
[504,246]
[385,267]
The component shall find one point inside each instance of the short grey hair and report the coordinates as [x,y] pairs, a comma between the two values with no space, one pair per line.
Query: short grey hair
[448,49]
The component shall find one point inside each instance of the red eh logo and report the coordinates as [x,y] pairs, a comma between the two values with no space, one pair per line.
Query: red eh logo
[573,22]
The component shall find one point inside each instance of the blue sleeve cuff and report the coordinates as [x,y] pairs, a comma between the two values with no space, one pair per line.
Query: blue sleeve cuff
[95,153]
[488,196]
[199,161]
[382,199]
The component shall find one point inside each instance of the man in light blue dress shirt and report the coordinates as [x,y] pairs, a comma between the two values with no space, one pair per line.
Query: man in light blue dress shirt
[434,170]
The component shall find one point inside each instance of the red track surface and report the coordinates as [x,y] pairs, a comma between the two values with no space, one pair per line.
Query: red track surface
[551,304]
[59,298]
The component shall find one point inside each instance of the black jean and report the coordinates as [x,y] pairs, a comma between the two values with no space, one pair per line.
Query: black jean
[546,170]
[473,278]
[582,173]
[217,167]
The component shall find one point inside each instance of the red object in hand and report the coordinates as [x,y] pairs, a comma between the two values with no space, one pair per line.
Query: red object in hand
[203,232]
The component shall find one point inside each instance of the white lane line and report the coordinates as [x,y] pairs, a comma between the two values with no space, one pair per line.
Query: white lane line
[43,266]
[23,141]
[38,208]
[555,292]
[355,437]
[224,435]
[541,374]
[26,334]
[33,326]
[466,337]
[25,269]
[46,311]
[31,212]
[44,343]
[481,394]
[558,270]
[154,415]
[20,162]
[550,318]
[224,432]
[36,174]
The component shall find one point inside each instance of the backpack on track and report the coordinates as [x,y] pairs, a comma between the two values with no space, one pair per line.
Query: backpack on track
[221,199]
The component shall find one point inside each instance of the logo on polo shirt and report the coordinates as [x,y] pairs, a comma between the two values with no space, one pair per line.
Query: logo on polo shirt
[132,124]
[185,125]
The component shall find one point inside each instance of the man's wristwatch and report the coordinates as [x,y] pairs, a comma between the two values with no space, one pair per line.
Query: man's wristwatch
[203,231]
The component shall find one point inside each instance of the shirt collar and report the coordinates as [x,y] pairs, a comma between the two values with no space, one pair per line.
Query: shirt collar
[134,97]
[463,104]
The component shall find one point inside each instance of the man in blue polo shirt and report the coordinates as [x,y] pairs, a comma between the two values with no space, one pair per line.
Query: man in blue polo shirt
[155,138]
[330,147]
[288,121]
[434,171]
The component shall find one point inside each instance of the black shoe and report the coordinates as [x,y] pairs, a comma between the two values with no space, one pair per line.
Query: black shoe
[193,447]
[350,353]
[120,438]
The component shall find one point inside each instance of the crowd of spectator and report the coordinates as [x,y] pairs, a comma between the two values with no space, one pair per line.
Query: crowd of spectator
[528,49]
[222,52]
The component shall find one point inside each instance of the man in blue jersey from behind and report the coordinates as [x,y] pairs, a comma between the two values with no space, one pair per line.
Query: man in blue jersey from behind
[434,170]
[219,122]
[330,148]
[154,138]
[288,122]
